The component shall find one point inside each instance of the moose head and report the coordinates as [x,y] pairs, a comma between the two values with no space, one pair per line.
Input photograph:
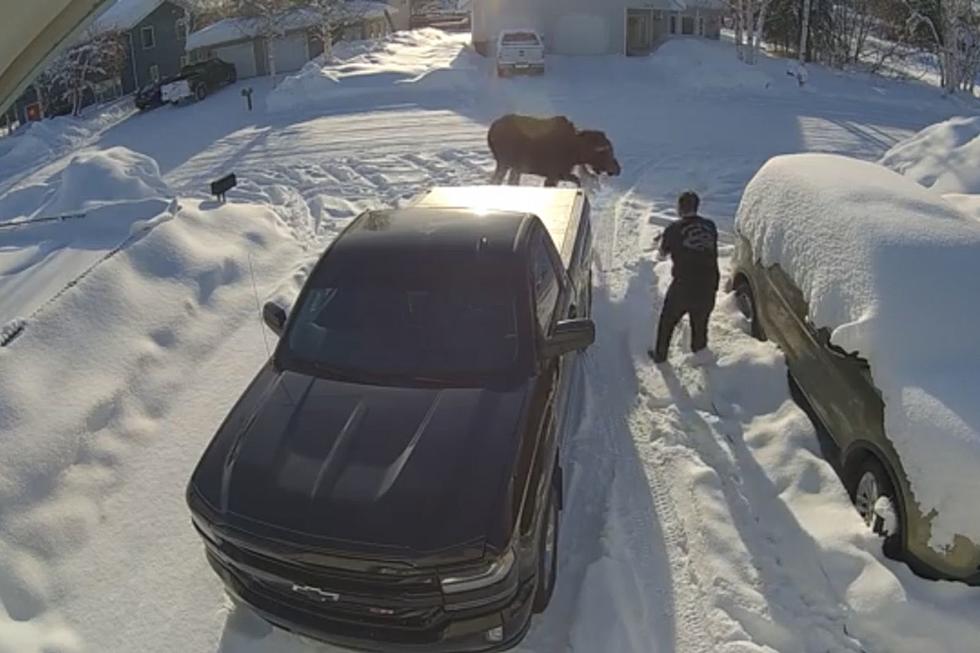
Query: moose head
[596,151]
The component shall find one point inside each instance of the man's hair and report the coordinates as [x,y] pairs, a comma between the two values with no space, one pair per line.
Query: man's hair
[688,203]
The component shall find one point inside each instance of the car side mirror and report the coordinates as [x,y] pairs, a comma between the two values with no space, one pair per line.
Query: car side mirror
[274,317]
[569,335]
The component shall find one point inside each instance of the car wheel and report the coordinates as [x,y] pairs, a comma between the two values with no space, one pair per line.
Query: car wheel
[745,299]
[868,484]
[502,72]
[548,553]
[201,92]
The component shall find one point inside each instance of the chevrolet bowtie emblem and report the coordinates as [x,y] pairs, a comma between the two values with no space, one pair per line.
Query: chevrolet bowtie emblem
[316,593]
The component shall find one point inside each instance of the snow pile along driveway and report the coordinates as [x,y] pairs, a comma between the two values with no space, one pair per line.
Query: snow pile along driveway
[894,271]
[409,64]
[55,231]
[96,411]
[944,156]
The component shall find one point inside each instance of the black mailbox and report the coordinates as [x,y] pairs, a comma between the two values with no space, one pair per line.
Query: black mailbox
[222,186]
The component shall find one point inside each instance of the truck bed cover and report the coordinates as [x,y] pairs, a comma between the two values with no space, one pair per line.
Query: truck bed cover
[560,209]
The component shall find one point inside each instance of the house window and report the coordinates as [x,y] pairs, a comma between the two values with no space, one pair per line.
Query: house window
[155,73]
[181,29]
[148,37]
[673,24]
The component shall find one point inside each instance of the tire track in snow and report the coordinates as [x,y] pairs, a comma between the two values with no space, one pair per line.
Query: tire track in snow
[733,578]
[685,626]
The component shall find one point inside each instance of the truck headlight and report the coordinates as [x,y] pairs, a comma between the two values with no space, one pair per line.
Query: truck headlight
[481,585]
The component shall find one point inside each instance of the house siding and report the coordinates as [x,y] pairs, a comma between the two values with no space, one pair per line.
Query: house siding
[166,52]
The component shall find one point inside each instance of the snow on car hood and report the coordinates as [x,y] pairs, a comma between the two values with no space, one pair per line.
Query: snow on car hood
[893,269]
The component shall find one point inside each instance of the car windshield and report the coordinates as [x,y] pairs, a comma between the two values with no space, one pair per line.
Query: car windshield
[409,321]
[523,38]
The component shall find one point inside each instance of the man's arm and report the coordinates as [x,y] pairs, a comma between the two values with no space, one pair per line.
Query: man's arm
[664,249]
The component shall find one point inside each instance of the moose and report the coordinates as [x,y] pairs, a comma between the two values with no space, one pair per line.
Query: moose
[549,147]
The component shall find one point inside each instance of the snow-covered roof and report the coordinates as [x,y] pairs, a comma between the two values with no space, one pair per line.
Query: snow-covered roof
[235,29]
[124,14]
[893,270]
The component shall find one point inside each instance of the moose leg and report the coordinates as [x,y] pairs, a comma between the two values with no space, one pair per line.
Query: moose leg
[550,182]
[498,174]
[514,177]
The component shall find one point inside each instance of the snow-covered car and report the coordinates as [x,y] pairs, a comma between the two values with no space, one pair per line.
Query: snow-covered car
[390,480]
[520,51]
[869,283]
[197,80]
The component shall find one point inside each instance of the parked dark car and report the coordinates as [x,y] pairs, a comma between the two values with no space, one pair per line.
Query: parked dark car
[149,97]
[198,80]
[391,479]
[838,389]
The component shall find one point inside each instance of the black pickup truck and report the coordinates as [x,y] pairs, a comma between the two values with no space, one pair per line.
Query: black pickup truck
[391,479]
[197,80]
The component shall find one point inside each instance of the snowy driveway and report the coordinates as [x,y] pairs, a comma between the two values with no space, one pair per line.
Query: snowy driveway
[698,518]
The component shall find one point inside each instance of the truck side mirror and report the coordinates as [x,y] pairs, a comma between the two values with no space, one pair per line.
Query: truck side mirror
[274,317]
[569,335]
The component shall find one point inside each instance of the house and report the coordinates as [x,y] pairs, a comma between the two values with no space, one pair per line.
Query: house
[154,33]
[243,41]
[630,27]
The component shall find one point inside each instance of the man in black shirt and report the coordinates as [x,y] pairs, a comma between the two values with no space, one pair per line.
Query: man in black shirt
[692,243]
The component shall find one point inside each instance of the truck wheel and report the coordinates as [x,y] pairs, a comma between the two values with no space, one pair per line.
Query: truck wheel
[200,92]
[548,553]
[502,72]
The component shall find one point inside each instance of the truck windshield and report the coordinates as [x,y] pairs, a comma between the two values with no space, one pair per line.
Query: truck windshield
[410,320]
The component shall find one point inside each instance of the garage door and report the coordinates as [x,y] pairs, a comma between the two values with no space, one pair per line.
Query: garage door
[241,55]
[582,34]
[290,52]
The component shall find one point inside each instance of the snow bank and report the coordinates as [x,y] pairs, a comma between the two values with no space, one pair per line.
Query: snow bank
[697,64]
[944,156]
[103,198]
[91,180]
[106,177]
[110,394]
[894,271]
[403,65]
[36,142]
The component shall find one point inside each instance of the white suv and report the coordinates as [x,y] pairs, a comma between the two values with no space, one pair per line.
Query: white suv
[520,51]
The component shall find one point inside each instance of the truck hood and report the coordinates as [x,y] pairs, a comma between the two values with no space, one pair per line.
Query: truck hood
[367,467]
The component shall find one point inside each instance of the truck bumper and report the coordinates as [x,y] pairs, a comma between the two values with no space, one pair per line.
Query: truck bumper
[461,633]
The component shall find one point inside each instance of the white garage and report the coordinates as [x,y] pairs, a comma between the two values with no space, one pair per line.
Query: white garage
[290,52]
[242,55]
[591,27]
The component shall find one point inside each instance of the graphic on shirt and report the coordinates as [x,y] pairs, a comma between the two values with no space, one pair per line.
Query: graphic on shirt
[697,237]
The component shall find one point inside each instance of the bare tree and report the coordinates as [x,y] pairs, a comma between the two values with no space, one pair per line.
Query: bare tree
[96,57]
[750,17]
[335,18]
[954,28]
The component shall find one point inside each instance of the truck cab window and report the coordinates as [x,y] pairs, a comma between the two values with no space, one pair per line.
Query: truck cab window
[544,281]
